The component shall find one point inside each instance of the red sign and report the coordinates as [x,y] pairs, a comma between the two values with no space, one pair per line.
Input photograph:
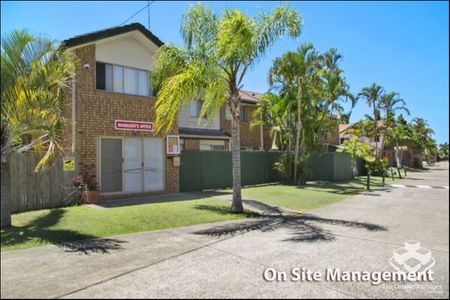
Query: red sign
[133,125]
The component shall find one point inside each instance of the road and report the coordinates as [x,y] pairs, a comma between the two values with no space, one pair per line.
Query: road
[229,259]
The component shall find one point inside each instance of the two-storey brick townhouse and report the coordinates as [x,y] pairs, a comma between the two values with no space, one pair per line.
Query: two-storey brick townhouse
[199,134]
[112,108]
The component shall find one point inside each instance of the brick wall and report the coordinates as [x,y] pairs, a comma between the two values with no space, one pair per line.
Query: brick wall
[191,144]
[332,137]
[250,137]
[96,111]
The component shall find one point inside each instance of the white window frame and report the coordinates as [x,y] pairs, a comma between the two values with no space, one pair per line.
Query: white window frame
[178,145]
[149,91]
[198,108]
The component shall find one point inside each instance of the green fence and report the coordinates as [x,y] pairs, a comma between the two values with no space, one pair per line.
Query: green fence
[330,166]
[202,170]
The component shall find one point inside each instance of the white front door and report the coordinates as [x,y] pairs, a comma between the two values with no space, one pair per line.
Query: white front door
[153,164]
[132,169]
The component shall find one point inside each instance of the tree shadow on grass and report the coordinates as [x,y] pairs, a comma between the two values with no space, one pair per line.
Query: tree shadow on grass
[353,187]
[185,196]
[40,230]
[223,210]
[304,228]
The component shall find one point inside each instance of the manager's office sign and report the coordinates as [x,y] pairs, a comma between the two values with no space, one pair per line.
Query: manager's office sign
[133,125]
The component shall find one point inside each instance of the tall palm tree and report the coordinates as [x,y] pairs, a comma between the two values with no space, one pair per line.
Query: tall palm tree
[293,73]
[35,75]
[217,53]
[421,135]
[391,103]
[373,95]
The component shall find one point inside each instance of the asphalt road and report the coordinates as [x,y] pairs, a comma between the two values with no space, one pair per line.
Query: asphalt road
[229,259]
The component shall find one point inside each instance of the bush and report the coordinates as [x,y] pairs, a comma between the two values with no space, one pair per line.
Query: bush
[378,166]
[84,182]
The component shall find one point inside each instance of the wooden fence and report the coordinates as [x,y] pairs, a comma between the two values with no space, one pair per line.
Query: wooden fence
[31,190]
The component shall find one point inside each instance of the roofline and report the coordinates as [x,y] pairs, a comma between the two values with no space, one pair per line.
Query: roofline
[110,32]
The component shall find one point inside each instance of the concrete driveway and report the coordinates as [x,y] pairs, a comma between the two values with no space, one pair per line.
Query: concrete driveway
[229,259]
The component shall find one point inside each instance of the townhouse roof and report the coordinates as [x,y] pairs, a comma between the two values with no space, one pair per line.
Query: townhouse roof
[110,32]
[250,97]
[344,127]
[204,133]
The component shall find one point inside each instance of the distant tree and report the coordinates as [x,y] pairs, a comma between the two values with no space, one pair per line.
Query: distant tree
[443,151]
[373,95]
[421,138]
[356,149]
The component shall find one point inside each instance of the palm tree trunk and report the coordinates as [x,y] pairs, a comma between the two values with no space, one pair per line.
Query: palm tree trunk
[376,131]
[236,206]
[299,124]
[5,195]
[290,155]
[397,156]
[354,169]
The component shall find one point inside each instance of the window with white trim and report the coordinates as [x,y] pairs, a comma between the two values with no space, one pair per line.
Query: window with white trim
[242,114]
[195,106]
[120,79]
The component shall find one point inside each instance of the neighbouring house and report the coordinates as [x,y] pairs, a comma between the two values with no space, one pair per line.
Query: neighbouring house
[408,154]
[199,134]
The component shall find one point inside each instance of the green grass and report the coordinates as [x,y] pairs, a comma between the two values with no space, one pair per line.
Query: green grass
[313,195]
[50,226]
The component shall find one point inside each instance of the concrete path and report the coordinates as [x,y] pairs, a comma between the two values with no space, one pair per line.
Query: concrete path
[228,259]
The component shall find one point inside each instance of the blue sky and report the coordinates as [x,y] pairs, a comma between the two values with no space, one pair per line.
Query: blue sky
[402,46]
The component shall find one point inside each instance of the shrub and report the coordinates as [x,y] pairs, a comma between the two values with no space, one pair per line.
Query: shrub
[85,182]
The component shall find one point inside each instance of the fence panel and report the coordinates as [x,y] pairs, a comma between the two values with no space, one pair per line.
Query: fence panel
[212,169]
[30,190]
[329,166]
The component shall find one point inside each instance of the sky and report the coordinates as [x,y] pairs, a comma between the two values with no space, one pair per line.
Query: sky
[402,46]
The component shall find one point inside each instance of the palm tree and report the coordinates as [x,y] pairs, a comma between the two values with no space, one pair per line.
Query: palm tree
[292,74]
[373,95]
[357,149]
[390,103]
[443,151]
[35,75]
[421,136]
[211,66]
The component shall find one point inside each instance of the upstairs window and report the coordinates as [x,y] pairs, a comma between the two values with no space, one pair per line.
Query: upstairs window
[194,108]
[122,79]
[242,114]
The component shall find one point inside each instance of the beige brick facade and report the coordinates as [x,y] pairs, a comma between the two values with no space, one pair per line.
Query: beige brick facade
[191,144]
[96,111]
[250,136]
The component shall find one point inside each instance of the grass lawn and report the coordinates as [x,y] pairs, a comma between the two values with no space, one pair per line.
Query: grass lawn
[49,226]
[312,196]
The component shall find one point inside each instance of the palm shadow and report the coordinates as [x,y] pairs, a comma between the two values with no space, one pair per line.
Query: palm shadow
[163,198]
[41,231]
[304,228]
